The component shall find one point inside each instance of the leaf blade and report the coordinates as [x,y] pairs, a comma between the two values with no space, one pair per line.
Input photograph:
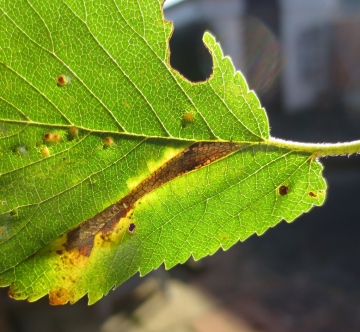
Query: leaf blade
[115,60]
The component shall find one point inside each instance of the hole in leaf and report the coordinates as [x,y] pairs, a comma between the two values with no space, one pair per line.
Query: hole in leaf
[189,56]
[131,228]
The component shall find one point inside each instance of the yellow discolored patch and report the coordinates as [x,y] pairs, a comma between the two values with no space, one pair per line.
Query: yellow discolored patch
[60,296]
[113,237]
[45,152]
[188,117]
[153,165]
[68,268]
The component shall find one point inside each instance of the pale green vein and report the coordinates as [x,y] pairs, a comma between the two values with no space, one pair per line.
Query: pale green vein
[124,73]
[232,113]
[40,93]
[16,108]
[209,198]
[69,69]
[83,180]
[170,71]
[46,27]
[50,157]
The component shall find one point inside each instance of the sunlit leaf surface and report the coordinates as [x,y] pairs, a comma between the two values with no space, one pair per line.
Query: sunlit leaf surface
[96,127]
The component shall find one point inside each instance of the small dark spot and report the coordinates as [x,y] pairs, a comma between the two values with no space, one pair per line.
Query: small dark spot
[311,194]
[59,252]
[283,190]
[131,228]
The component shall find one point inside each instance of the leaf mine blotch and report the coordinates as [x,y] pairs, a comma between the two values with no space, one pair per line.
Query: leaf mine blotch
[131,228]
[283,190]
[194,157]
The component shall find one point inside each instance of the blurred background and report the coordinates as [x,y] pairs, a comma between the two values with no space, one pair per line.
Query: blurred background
[303,60]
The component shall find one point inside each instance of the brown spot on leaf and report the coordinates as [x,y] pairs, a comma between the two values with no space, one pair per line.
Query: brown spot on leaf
[52,137]
[59,296]
[62,80]
[86,249]
[108,141]
[12,292]
[73,131]
[312,194]
[59,252]
[283,190]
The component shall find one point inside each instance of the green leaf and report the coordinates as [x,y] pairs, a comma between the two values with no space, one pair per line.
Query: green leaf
[93,118]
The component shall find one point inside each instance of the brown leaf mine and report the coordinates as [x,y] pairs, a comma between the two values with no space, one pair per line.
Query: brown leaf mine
[192,158]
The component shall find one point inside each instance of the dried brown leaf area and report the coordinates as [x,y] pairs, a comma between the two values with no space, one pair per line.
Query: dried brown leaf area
[195,156]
